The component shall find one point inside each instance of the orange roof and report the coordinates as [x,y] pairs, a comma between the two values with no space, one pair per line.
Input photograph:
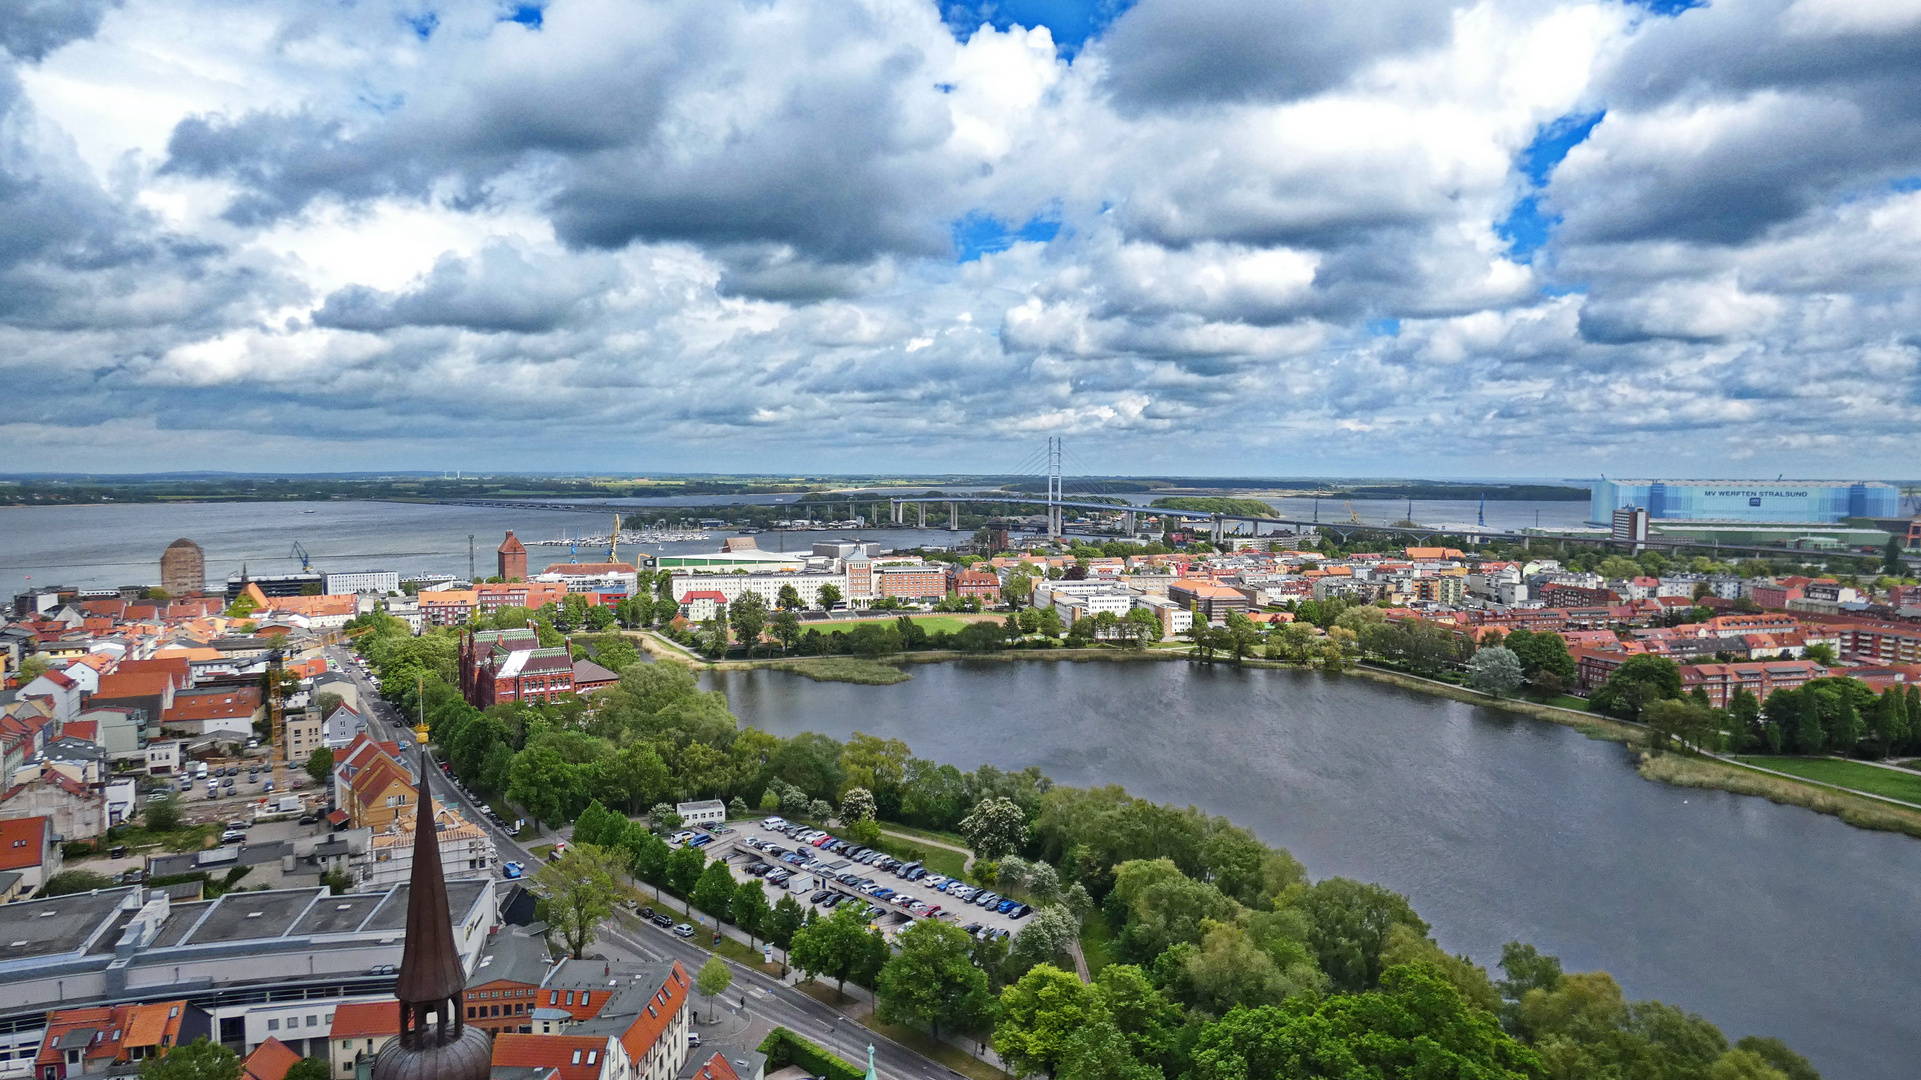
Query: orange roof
[379,776]
[716,1068]
[82,729]
[570,1054]
[647,1029]
[237,701]
[22,842]
[512,545]
[310,606]
[366,1019]
[125,684]
[269,1061]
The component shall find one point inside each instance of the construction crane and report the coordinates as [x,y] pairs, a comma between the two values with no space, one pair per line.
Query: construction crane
[298,552]
[277,717]
[613,540]
[1353,515]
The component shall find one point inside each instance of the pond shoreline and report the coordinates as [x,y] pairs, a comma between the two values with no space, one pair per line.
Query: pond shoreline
[1858,809]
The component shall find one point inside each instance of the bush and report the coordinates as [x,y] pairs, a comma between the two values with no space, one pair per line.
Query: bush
[784,1048]
[73,881]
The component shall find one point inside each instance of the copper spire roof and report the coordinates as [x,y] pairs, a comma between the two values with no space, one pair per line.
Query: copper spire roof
[430,966]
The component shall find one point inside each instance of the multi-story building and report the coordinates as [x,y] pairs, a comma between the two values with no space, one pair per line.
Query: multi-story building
[379,794]
[447,607]
[1758,678]
[767,586]
[491,597]
[510,665]
[980,583]
[1785,501]
[1207,600]
[913,582]
[115,1038]
[382,582]
[502,991]
[465,849]
[1175,619]
[183,568]
[1876,642]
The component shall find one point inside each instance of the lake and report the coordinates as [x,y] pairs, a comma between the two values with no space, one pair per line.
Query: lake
[1766,919]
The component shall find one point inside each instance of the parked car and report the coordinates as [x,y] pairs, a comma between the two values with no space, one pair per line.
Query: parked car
[513,870]
[693,1037]
[685,931]
[1021,911]
[234,836]
[661,921]
[1006,906]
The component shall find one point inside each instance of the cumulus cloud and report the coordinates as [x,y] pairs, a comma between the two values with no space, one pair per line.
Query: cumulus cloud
[1220,235]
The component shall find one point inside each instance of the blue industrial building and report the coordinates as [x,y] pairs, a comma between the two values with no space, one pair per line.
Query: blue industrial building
[1780,501]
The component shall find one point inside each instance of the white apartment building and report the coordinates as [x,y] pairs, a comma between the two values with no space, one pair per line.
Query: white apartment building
[381,582]
[732,586]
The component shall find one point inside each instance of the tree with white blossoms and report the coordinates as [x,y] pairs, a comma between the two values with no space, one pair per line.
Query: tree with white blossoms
[995,828]
[856,804]
[1011,872]
[1045,939]
[1044,883]
[1494,670]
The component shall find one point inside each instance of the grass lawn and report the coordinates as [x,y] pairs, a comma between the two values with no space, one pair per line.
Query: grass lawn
[1849,774]
[1097,944]
[936,860]
[930,623]
[955,839]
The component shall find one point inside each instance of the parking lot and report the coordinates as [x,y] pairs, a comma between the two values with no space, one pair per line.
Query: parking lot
[816,870]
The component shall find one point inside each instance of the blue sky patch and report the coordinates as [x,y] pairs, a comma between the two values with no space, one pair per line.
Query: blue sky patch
[524,14]
[1906,183]
[1383,328]
[980,234]
[1526,227]
[423,25]
[1071,22]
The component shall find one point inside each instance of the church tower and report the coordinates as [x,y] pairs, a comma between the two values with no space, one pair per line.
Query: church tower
[435,1042]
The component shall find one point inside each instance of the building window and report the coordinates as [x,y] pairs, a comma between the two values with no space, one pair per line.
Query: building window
[273,1024]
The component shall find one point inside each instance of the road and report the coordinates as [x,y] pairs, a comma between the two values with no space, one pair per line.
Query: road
[767,998]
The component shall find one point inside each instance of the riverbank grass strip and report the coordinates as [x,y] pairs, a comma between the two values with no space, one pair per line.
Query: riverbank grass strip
[1847,774]
[849,669]
[1683,771]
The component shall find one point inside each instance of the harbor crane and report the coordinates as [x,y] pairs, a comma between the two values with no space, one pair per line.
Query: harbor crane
[306,560]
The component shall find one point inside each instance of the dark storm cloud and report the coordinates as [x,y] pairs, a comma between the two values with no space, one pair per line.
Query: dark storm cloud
[1186,52]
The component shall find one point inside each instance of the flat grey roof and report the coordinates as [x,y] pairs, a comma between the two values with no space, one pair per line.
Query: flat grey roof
[180,919]
[513,955]
[337,914]
[244,916]
[392,915]
[61,924]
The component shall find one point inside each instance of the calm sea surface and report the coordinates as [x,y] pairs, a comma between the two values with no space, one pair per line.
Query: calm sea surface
[1766,919]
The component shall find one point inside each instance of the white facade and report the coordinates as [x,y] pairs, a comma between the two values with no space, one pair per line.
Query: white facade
[1071,607]
[1175,619]
[768,586]
[624,582]
[707,812]
[363,581]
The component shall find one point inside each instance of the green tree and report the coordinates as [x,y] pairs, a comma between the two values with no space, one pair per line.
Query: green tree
[714,979]
[750,911]
[1636,683]
[1038,1015]
[684,869]
[198,1060]
[320,764]
[1416,1026]
[309,1069]
[663,818]
[576,892]
[1348,926]
[997,827]
[933,980]
[748,616]
[714,892]
[788,599]
[1891,561]
[1494,670]
[785,626]
[1776,1053]
[838,946]
[162,812]
[785,921]
[73,881]
[827,596]
[856,804]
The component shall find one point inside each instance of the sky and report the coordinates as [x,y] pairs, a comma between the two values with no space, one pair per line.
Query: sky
[1191,237]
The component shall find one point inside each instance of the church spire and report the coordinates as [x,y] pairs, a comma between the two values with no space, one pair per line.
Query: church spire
[435,1042]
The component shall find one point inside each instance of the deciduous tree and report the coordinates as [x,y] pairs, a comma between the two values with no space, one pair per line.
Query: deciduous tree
[576,892]
[933,980]
[996,827]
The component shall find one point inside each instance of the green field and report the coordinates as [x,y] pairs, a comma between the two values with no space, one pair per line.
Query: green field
[1848,774]
[851,669]
[931,623]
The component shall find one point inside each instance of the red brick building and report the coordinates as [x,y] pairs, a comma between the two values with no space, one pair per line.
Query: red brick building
[913,582]
[979,583]
[511,558]
[1758,678]
[510,665]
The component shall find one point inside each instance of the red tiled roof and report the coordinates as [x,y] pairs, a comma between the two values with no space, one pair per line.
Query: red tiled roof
[647,1029]
[514,1049]
[269,1061]
[23,842]
[716,1068]
[136,683]
[366,1019]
